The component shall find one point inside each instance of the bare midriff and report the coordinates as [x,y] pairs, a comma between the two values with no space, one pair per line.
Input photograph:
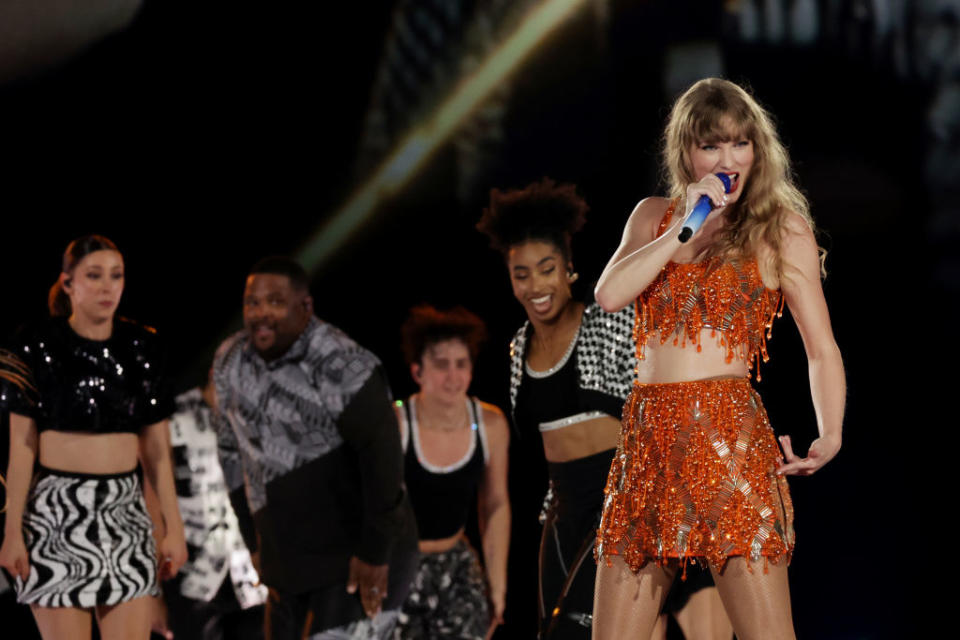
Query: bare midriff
[95,453]
[581,440]
[441,545]
[664,363]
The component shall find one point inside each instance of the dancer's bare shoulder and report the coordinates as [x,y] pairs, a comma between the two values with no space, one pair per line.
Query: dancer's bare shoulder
[495,421]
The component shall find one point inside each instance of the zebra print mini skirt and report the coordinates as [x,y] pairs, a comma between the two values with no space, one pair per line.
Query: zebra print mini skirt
[89,540]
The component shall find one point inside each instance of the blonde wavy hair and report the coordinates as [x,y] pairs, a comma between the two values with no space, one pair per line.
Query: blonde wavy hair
[715,110]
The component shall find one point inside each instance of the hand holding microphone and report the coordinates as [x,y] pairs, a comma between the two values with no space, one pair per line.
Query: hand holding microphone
[703,208]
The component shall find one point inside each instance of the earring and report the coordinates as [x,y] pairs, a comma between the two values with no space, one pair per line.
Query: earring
[572,276]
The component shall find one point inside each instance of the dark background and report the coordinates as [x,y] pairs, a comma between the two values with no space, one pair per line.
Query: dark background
[207,135]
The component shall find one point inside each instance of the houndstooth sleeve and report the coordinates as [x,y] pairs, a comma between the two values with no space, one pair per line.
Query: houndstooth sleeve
[606,357]
[518,347]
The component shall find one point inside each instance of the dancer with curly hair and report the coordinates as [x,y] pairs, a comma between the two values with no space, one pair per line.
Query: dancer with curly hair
[572,366]
[455,449]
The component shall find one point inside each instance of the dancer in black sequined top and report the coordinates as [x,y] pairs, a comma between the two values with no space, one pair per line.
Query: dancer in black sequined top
[78,537]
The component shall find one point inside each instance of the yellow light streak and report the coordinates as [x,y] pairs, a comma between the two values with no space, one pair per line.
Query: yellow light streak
[411,154]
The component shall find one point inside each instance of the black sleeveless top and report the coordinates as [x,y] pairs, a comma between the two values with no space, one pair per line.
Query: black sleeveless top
[547,399]
[91,386]
[441,496]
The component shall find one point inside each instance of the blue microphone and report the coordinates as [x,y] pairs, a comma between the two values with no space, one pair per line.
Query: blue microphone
[701,210]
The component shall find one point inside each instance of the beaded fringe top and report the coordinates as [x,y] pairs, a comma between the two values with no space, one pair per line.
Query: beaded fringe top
[726,295]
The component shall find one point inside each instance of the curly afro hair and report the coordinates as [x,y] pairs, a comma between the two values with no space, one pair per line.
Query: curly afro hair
[427,326]
[544,211]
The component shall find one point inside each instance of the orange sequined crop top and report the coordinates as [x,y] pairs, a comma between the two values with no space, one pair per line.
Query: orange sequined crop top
[726,295]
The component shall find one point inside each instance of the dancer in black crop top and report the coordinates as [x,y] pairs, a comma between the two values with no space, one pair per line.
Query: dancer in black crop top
[93,386]
[572,367]
[455,448]
[78,538]
[441,495]
[568,381]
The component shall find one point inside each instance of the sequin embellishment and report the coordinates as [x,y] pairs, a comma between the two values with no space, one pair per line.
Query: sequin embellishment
[723,294]
[694,476]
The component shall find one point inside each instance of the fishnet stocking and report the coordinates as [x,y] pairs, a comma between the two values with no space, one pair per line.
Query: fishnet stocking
[627,604]
[758,603]
[704,618]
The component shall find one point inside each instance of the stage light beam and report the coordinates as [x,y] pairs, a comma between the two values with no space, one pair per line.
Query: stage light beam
[417,147]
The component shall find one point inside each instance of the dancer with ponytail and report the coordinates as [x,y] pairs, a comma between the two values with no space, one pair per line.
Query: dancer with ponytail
[78,537]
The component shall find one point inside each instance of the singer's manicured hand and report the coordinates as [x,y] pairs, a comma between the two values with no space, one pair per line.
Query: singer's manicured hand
[709,186]
[821,451]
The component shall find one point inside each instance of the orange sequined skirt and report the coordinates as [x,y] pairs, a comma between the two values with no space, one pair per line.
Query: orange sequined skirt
[694,477]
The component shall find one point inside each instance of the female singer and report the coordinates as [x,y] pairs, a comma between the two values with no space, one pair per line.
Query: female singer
[77,537]
[698,474]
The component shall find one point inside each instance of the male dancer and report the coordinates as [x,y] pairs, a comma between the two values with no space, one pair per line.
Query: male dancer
[308,432]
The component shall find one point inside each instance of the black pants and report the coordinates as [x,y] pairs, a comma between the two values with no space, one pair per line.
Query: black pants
[288,613]
[567,569]
[220,619]
[567,575]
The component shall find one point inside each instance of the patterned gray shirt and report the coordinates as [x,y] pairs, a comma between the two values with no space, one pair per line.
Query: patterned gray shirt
[283,413]
[312,441]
